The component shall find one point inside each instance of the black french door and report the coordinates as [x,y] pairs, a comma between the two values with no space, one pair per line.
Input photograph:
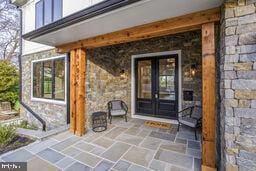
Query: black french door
[157,86]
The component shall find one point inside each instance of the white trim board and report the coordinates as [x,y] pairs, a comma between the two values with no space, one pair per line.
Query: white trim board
[133,91]
[50,101]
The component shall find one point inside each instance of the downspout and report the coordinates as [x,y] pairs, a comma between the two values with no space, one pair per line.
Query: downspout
[20,81]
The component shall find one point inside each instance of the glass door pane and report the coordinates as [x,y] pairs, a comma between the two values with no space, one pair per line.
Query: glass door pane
[144,79]
[167,79]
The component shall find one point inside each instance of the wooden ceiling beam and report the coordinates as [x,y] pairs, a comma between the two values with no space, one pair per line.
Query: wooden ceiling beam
[175,25]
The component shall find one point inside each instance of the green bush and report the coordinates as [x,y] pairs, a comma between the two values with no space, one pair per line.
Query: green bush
[26,125]
[9,82]
[7,133]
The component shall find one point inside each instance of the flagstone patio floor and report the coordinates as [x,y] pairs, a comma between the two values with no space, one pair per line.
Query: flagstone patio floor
[124,146]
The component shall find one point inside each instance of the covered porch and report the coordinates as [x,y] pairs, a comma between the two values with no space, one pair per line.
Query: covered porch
[106,72]
[124,146]
[103,68]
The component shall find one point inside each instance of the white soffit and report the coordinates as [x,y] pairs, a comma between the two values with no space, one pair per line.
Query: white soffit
[140,13]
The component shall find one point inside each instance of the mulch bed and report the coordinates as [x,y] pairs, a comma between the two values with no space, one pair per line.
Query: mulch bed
[17,142]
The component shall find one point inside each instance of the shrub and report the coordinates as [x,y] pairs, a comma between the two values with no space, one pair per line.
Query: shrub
[9,82]
[7,133]
[26,125]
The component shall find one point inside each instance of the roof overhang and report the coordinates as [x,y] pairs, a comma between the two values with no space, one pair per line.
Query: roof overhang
[113,15]
[19,2]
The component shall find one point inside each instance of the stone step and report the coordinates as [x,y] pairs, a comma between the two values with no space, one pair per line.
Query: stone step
[40,135]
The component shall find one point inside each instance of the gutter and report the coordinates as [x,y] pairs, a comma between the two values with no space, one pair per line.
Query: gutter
[20,81]
[82,15]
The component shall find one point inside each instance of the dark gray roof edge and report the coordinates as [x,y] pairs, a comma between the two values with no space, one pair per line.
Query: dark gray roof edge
[87,13]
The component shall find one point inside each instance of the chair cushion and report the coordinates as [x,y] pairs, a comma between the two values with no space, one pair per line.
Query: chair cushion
[188,121]
[197,113]
[117,112]
[116,105]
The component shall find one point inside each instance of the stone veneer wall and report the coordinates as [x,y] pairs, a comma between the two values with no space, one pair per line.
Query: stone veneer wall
[238,85]
[54,115]
[104,82]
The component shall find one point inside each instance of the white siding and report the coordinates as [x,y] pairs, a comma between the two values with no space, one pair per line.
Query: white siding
[69,7]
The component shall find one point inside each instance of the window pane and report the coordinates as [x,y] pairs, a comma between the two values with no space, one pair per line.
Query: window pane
[47,11]
[59,79]
[166,79]
[57,10]
[48,79]
[144,79]
[39,14]
[37,77]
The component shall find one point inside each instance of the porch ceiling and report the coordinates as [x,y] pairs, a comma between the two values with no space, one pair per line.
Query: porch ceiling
[139,13]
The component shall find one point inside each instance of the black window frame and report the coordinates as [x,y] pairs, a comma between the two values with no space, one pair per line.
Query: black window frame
[53,79]
[52,13]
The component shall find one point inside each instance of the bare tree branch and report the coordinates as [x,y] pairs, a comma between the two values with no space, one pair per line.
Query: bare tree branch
[9,31]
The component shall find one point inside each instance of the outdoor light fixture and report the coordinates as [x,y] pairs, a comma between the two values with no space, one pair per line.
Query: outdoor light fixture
[122,73]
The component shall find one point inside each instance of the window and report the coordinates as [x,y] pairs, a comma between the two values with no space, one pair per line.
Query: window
[49,79]
[39,14]
[48,11]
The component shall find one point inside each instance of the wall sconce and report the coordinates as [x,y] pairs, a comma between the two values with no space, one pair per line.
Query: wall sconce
[193,70]
[190,70]
[122,73]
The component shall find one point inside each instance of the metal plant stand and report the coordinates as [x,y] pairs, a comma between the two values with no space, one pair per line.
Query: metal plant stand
[99,121]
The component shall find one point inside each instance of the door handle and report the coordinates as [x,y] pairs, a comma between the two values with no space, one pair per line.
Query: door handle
[156,95]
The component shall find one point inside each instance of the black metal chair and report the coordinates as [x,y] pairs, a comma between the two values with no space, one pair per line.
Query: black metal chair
[117,108]
[191,117]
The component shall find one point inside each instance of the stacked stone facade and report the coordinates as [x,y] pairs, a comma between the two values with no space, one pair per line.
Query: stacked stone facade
[54,114]
[105,81]
[238,85]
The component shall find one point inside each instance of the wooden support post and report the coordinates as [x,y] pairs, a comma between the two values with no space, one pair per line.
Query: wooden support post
[209,96]
[80,92]
[77,92]
[73,91]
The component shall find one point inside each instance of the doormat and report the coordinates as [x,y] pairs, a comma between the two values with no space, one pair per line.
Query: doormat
[156,124]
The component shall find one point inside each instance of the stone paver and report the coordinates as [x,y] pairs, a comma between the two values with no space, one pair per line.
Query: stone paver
[181,141]
[180,148]
[103,142]
[88,159]
[139,156]
[103,166]
[124,146]
[161,135]
[143,133]
[197,164]
[186,135]
[122,165]
[21,155]
[157,165]
[195,153]
[84,146]
[78,167]
[62,136]
[64,163]
[137,168]
[98,151]
[115,132]
[40,146]
[71,151]
[174,158]
[132,131]
[115,151]
[176,168]
[194,144]
[37,164]
[66,143]
[130,139]
[151,143]
[50,155]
